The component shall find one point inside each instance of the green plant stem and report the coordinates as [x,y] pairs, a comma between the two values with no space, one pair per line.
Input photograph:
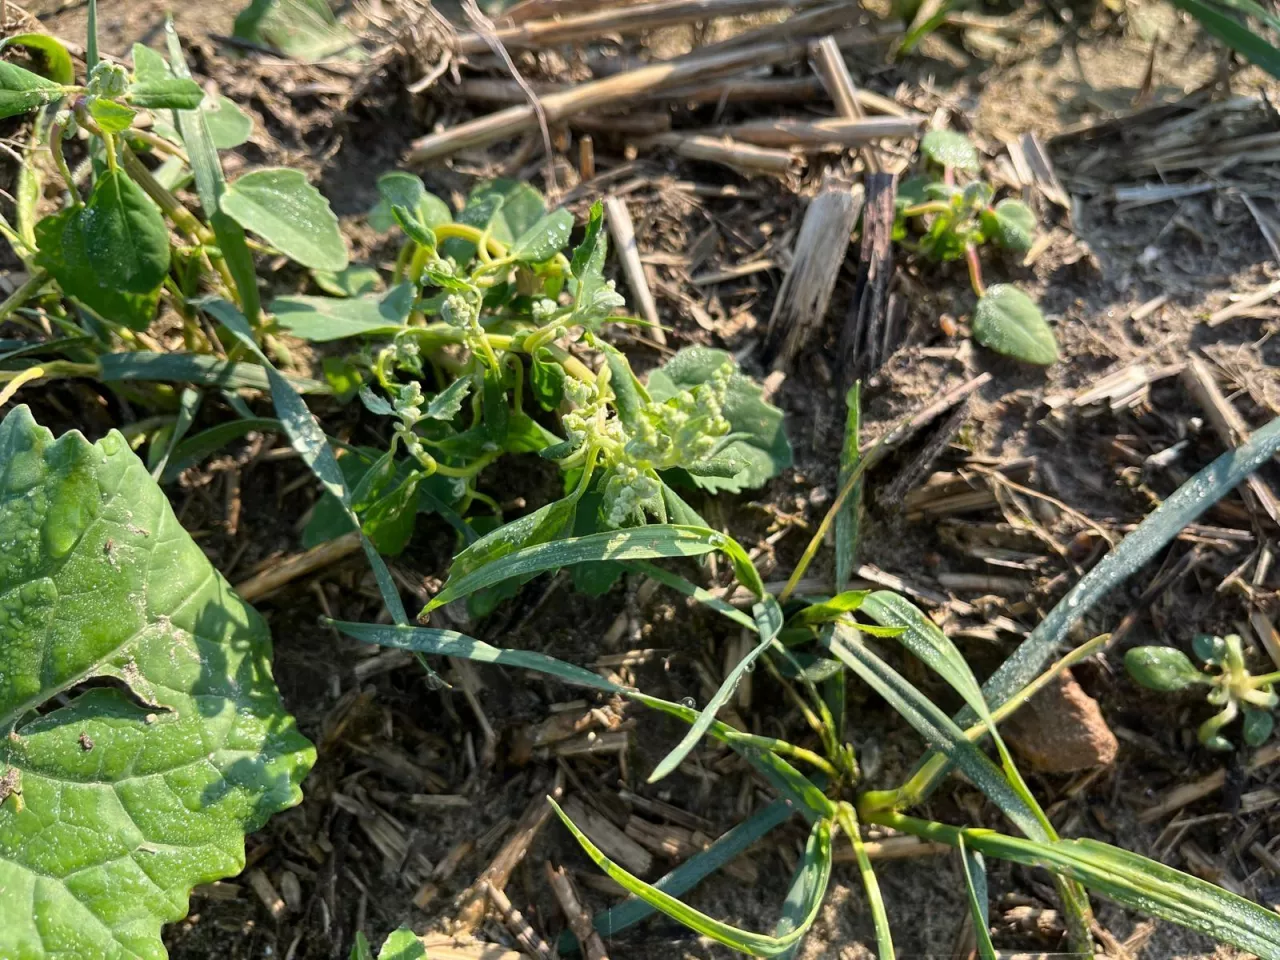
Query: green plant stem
[160,144]
[462,231]
[880,918]
[975,270]
[1259,681]
[911,792]
[170,205]
[109,141]
[402,261]
[470,470]
[55,370]
[24,292]
[60,161]
[924,209]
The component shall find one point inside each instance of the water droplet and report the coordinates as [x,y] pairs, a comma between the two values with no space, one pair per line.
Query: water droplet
[689,702]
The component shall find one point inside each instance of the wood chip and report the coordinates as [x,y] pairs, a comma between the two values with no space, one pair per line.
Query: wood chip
[614,842]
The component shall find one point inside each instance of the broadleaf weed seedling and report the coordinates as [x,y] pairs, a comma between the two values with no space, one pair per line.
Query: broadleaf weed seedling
[953,220]
[1239,693]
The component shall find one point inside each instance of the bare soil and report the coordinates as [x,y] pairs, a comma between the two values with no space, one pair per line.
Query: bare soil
[385,735]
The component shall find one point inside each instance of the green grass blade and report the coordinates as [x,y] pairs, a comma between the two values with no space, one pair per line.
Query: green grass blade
[926,642]
[807,797]
[200,445]
[194,368]
[210,185]
[636,543]
[1236,35]
[796,908]
[975,880]
[680,584]
[1250,8]
[817,855]
[448,643]
[768,617]
[1127,878]
[1190,500]
[91,37]
[879,915]
[832,609]
[309,440]
[188,404]
[932,723]
[693,871]
[847,520]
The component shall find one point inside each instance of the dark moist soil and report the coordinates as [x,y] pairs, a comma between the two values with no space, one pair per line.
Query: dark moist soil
[360,847]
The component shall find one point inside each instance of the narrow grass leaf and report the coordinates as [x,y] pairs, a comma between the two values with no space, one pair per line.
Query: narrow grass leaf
[817,851]
[847,519]
[448,643]
[640,543]
[810,877]
[308,439]
[975,879]
[194,368]
[704,597]
[827,610]
[693,871]
[1190,500]
[211,185]
[188,405]
[1238,36]
[198,446]
[1128,879]
[808,799]
[931,723]
[768,618]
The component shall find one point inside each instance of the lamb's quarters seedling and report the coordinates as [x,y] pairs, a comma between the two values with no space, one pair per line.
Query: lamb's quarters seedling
[466,355]
[1238,693]
[946,213]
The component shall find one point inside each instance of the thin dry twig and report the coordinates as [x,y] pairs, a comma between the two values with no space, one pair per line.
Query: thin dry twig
[577,915]
[490,38]
[282,572]
[621,20]
[624,239]
[514,921]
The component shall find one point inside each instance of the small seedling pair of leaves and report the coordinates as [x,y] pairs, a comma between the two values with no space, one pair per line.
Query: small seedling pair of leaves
[113,805]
